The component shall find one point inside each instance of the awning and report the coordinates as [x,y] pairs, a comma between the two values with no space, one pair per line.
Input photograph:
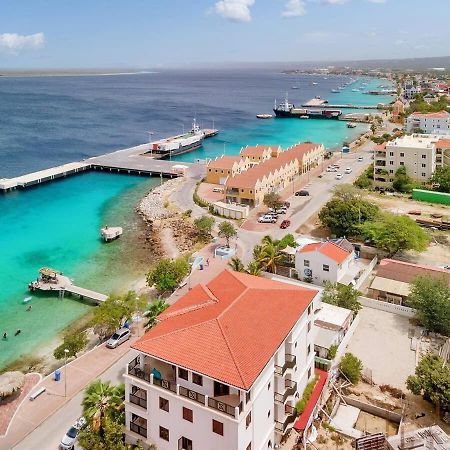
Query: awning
[391,286]
[289,250]
[302,422]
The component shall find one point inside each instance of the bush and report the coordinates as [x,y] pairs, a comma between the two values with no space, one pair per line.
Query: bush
[351,367]
[74,342]
[168,273]
[332,352]
[301,404]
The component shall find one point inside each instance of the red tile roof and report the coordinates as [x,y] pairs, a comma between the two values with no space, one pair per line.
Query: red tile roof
[443,143]
[256,150]
[435,115]
[228,329]
[329,249]
[302,422]
[225,162]
[406,272]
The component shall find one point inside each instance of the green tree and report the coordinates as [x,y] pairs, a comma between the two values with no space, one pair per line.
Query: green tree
[154,309]
[432,380]
[393,233]
[74,342]
[227,230]
[204,226]
[430,297]
[270,255]
[441,179]
[402,181]
[236,264]
[342,296]
[332,352]
[272,200]
[168,273]
[254,268]
[111,314]
[344,216]
[351,367]
[287,241]
[365,180]
[112,437]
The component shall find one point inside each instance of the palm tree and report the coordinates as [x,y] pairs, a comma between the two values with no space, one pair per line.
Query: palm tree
[102,399]
[236,264]
[154,309]
[254,268]
[270,256]
[257,250]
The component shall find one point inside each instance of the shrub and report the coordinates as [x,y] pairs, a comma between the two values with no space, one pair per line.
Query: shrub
[332,351]
[74,342]
[351,367]
[301,404]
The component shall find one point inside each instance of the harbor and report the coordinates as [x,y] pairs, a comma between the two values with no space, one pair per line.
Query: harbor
[321,103]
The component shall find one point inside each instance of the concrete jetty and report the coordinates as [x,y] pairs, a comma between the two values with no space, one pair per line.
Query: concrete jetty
[321,103]
[51,280]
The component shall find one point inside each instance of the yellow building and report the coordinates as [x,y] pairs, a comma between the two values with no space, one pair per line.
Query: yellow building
[226,166]
[260,153]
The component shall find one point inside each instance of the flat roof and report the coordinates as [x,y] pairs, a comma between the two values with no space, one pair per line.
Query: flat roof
[333,314]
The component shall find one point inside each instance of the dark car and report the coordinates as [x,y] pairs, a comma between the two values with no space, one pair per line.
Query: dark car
[287,204]
[285,224]
[302,193]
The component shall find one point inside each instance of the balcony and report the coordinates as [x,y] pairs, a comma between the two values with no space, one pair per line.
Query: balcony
[138,397]
[289,389]
[290,416]
[138,425]
[228,407]
[380,163]
[290,362]
[192,395]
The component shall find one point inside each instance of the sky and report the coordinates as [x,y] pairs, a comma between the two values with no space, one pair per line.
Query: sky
[38,34]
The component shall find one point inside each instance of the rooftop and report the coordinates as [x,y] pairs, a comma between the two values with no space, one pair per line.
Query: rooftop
[432,115]
[256,150]
[224,162]
[332,316]
[413,141]
[417,439]
[216,329]
[329,248]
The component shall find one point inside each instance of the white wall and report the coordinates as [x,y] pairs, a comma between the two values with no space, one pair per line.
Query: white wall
[427,124]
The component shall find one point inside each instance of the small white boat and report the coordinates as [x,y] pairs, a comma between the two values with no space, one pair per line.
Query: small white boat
[335,91]
[27,299]
[264,116]
[295,87]
[110,233]
[351,125]
[314,83]
[304,117]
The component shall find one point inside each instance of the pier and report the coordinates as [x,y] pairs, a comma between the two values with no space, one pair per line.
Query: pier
[320,103]
[51,280]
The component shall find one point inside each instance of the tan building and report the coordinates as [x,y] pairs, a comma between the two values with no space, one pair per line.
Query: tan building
[226,166]
[260,153]
[273,174]
[397,111]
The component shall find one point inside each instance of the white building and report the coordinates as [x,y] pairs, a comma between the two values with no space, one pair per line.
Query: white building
[224,367]
[325,261]
[410,90]
[437,122]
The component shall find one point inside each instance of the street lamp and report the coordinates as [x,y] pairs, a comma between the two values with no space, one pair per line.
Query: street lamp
[150,134]
[66,351]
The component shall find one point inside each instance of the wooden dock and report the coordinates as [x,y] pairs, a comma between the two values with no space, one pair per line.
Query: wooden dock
[54,281]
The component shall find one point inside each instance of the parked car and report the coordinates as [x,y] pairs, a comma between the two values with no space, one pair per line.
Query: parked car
[281,211]
[360,159]
[287,204]
[267,219]
[68,440]
[331,169]
[285,224]
[218,190]
[339,176]
[336,166]
[348,170]
[302,193]
[119,337]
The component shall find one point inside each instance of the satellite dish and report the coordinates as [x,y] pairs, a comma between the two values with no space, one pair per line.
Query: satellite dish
[308,272]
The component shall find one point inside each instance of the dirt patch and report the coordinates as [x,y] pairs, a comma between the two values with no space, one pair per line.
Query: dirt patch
[369,423]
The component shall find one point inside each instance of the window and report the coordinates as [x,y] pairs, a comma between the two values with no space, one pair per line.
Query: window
[391,153]
[269,444]
[164,433]
[391,163]
[402,154]
[217,427]
[402,163]
[247,397]
[309,373]
[309,326]
[391,171]
[424,165]
[309,309]
[248,419]
[197,379]
[268,386]
[188,414]
[306,263]
[424,156]
[424,174]
[163,404]
[268,413]
[183,373]
[326,268]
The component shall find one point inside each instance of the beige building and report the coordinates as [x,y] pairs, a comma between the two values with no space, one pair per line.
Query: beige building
[273,174]
[419,154]
[226,166]
[260,153]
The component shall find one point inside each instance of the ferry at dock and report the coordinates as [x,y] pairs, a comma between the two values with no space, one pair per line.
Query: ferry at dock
[286,109]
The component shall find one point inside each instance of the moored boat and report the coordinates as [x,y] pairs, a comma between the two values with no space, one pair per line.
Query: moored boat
[264,116]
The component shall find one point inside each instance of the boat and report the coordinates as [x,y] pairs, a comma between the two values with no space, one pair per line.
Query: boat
[181,143]
[286,109]
[335,91]
[355,90]
[295,87]
[110,233]
[264,116]
[27,299]
[351,125]
[314,83]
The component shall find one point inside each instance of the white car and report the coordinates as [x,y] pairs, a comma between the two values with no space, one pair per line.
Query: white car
[68,440]
[119,337]
[267,219]
[360,159]
[331,169]
[348,170]
[339,176]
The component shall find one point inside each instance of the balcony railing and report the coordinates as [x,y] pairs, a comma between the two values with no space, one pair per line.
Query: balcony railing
[165,384]
[136,371]
[224,407]
[290,362]
[290,389]
[136,400]
[192,395]
[291,416]
[142,431]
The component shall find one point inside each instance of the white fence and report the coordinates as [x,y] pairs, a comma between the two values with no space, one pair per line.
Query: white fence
[388,307]
[366,273]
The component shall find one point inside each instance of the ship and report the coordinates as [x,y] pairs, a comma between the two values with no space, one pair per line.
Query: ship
[286,109]
[182,143]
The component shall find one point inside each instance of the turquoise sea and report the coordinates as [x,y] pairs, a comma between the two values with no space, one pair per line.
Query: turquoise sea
[52,120]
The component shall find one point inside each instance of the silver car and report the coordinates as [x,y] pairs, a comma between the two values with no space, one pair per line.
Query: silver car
[119,337]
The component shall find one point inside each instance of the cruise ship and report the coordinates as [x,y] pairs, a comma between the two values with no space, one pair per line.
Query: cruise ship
[286,109]
[182,143]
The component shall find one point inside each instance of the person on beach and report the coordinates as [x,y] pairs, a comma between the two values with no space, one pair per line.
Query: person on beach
[18,332]
[30,307]
[5,335]
[207,262]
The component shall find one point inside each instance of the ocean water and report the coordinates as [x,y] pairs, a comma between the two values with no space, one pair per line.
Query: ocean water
[46,121]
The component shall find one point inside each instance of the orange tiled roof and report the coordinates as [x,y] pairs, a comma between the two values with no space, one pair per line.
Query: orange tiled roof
[443,143]
[256,150]
[228,329]
[224,162]
[433,115]
[329,249]
[249,178]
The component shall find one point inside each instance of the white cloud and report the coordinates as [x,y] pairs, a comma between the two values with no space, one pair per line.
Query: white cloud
[400,42]
[236,10]
[336,2]
[294,8]
[14,42]
[377,1]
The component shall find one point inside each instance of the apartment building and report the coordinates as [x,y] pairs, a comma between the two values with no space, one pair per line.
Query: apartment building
[417,153]
[437,122]
[226,166]
[260,153]
[224,367]
[273,174]
[410,90]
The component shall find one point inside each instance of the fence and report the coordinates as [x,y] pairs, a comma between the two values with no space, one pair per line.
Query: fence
[372,409]
[388,307]
[366,272]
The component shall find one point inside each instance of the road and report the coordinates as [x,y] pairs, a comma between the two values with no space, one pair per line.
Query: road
[48,435]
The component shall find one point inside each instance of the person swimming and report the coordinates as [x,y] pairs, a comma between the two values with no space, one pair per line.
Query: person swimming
[5,335]
[18,332]
[30,307]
